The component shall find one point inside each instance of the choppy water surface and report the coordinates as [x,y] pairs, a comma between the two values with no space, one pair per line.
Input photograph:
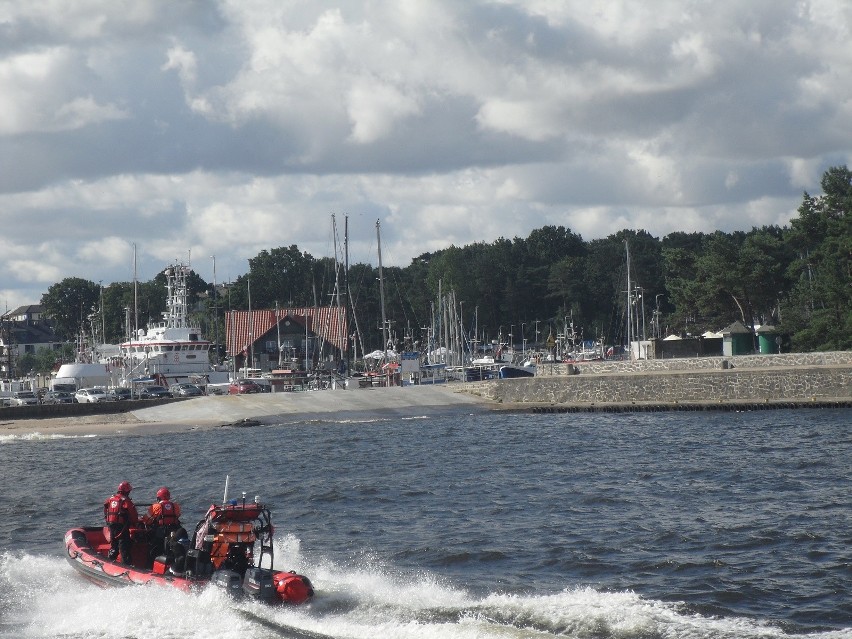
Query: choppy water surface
[504,525]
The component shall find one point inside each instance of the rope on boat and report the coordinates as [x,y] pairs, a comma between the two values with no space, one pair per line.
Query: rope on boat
[77,555]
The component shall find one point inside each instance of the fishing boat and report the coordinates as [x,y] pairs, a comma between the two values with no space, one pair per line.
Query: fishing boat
[511,371]
[481,369]
[227,550]
[171,351]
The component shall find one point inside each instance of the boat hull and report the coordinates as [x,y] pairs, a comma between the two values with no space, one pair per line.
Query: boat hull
[87,549]
[512,372]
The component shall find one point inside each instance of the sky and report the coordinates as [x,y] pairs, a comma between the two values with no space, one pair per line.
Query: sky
[152,131]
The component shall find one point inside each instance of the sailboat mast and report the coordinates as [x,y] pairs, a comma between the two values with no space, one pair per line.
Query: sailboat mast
[382,290]
[278,328]
[348,297]
[341,338]
[251,328]
[135,296]
[629,305]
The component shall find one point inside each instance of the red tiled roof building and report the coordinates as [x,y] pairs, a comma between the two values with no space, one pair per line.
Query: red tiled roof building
[323,330]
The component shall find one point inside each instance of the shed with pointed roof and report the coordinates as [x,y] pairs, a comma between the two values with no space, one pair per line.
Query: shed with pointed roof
[737,340]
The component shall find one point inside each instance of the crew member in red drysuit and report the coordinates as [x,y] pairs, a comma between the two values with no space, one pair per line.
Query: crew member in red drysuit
[163,515]
[120,514]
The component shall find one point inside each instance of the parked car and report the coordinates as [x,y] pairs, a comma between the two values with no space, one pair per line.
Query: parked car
[91,396]
[58,397]
[152,392]
[185,390]
[243,386]
[23,398]
[119,394]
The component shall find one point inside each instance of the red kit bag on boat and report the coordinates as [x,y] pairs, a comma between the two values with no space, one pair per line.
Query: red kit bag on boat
[292,587]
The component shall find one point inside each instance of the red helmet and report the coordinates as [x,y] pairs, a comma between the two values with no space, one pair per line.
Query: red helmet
[164,493]
[125,487]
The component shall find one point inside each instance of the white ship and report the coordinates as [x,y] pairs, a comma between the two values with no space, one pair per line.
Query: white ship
[171,351]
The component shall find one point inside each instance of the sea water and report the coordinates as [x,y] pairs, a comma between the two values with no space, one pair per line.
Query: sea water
[665,525]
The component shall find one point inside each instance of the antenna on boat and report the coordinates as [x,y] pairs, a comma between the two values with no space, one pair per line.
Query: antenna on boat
[225,498]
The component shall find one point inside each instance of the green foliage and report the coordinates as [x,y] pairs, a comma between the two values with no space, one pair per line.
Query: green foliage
[40,362]
[817,313]
[682,289]
[284,275]
[70,303]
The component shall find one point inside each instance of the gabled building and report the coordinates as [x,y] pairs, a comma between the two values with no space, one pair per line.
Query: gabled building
[24,331]
[295,338]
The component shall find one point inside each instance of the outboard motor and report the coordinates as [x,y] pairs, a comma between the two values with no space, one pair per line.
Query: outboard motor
[258,584]
[229,581]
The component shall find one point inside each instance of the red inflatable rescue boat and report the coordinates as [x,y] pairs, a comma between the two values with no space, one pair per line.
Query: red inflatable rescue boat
[227,550]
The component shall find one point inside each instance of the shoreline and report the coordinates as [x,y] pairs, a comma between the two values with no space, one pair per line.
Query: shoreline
[84,425]
[222,411]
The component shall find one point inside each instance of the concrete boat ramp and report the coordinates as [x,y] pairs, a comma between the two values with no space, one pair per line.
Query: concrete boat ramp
[332,405]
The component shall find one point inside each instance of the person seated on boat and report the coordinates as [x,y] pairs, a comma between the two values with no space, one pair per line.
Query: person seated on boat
[178,545]
[120,514]
[237,559]
[163,517]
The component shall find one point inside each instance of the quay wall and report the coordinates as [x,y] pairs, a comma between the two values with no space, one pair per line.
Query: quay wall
[783,360]
[811,384]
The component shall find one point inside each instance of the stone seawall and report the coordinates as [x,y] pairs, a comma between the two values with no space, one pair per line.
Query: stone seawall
[784,360]
[813,384]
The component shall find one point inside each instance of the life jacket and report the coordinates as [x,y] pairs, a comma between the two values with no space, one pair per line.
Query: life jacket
[229,533]
[168,514]
[115,510]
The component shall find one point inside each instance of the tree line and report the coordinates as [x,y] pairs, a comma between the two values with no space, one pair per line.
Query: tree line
[797,278]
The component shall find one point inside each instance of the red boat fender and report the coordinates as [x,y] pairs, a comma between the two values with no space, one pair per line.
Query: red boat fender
[292,588]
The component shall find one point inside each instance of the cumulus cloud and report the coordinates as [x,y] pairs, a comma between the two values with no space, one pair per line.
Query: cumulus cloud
[184,62]
[374,107]
[229,127]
